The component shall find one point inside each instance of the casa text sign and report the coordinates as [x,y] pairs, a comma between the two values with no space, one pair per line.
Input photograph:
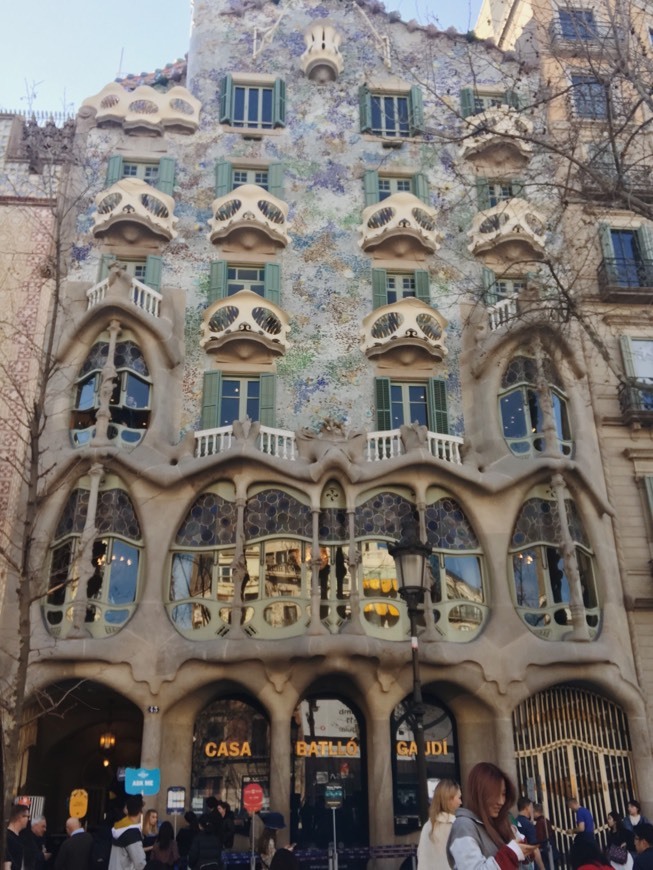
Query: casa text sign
[227,749]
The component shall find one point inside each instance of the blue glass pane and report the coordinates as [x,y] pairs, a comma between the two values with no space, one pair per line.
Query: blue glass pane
[527,588]
[253,107]
[239,106]
[266,110]
[417,404]
[377,124]
[463,578]
[124,573]
[137,392]
[86,394]
[512,415]
[116,617]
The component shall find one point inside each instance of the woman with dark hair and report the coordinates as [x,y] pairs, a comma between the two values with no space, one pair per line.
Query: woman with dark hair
[165,853]
[586,855]
[482,835]
[619,843]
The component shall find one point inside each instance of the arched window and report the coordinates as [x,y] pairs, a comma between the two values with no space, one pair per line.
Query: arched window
[531,392]
[93,583]
[541,573]
[128,391]
[457,592]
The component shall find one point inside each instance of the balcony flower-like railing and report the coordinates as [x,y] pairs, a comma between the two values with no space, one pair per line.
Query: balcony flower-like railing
[131,200]
[636,401]
[497,126]
[409,322]
[245,316]
[400,216]
[249,207]
[322,61]
[626,280]
[137,293]
[146,108]
[514,221]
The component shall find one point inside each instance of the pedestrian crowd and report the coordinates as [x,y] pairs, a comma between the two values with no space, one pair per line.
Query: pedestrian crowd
[484,835]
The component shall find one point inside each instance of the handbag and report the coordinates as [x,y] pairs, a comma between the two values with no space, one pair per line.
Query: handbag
[617,854]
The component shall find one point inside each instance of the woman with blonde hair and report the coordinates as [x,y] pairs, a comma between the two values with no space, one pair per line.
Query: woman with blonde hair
[432,848]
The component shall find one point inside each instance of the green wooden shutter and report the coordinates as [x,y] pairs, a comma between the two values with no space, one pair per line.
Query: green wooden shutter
[517,187]
[268,400]
[105,261]
[371,187]
[275,179]
[512,99]
[422,286]
[627,354]
[272,282]
[490,296]
[114,170]
[482,193]
[645,243]
[217,281]
[420,186]
[467,102]
[648,488]
[436,398]
[605,238]
[211,398]
[153,268]
[166,180]
[416,108]
[383,409]
[279,103]
[224,181]
[365,108]
[226,99]
[379,288]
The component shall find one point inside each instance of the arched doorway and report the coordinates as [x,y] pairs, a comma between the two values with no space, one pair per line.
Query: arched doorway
[571,742]
[328,749]
[441,757]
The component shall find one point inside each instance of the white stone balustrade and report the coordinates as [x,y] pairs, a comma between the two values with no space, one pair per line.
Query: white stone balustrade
[497,125]
[277,442]
[139,294]
[245,315]
[401,215]
[445,447]
[131,200]
[249,207]
[322,61]
[514,220]
[209,442]
[502,312]
[383,445]
[408,321]
[147,108]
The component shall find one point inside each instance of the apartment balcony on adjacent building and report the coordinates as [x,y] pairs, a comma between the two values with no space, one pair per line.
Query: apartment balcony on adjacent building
[247,327]
[499,131]
[146,109]
[577,33]
[400,226]
[514,228]
[636,401]
[248,217]
[601,180]
[408,331]
[132,210]
[322,61]
[626,280]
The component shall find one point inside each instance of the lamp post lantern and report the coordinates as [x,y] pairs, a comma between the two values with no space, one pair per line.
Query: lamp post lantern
[411,560]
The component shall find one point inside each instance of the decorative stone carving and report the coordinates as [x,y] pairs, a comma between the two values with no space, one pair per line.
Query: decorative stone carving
[244,215]
[136,205]
[332,448]
[407,330]
[247,323]
[146,108]
[401,225]
[498,128]
[322,61]
[515,226]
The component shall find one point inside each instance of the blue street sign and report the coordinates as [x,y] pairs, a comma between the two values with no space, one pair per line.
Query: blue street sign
[140,780]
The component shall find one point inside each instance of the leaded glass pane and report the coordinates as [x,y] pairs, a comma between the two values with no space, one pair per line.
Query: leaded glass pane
[210,522]
[382,516]
[115,513]
[447,527]
[275,512]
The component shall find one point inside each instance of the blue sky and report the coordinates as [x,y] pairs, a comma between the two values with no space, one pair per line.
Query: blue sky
[55,54]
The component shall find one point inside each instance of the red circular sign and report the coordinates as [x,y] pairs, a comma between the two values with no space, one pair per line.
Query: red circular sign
[252,797]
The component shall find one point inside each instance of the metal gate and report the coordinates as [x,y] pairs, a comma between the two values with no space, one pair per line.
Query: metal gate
[573,743]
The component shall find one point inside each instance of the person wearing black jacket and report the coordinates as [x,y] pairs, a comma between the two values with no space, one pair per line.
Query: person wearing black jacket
[206,849]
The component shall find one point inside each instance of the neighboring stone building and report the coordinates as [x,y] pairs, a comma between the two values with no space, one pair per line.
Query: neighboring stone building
[304,302]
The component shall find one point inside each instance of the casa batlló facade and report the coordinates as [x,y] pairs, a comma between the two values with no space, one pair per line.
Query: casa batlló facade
[290,326]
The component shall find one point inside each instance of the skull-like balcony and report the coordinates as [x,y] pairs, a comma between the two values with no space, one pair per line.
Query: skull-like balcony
[247,327]
[322,61]
[399,226]
[146,109]
[406,333]
[247,215]
[513,229]
[499,133]
[133,209]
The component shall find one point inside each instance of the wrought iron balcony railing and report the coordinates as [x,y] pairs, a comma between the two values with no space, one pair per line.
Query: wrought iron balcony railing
[626,280]
[636,401]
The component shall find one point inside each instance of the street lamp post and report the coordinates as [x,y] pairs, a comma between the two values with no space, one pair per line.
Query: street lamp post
[411,559]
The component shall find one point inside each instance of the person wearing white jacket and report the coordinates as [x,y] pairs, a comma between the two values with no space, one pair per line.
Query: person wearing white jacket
[432,848]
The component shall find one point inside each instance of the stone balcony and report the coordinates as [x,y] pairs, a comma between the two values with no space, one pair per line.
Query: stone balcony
[131,208]
[400,226]
[146,108]
[322,61]
[500,132]
[636,402]
[246,216]
[245,326]
[405,333]
[512,229]
[122,287]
